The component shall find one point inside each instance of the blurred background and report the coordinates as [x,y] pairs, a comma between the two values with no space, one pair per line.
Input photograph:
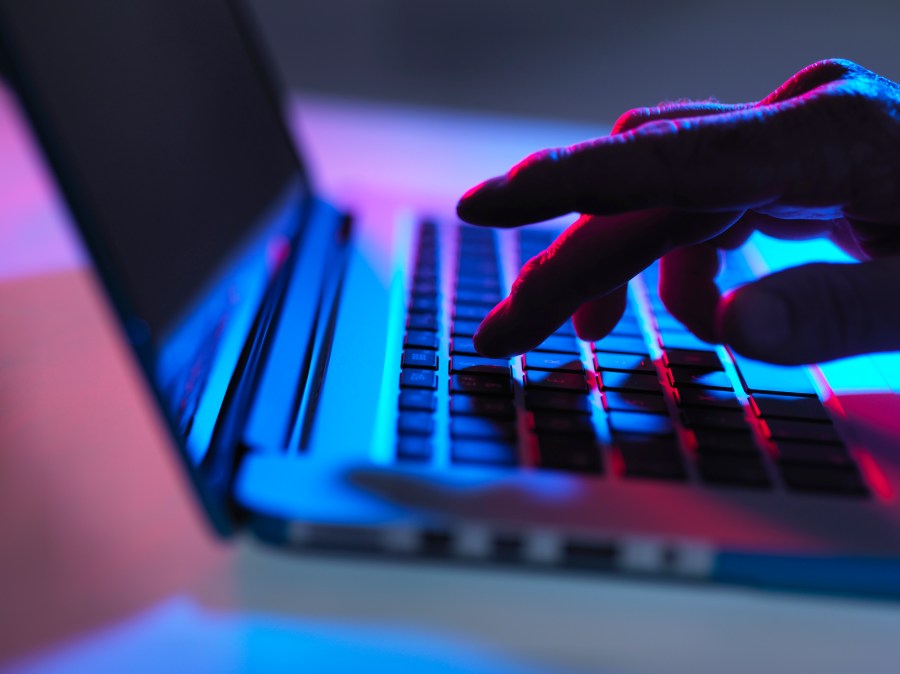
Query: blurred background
[582,60]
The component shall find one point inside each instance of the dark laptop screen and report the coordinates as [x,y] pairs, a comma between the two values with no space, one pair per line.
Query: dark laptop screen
[156,113]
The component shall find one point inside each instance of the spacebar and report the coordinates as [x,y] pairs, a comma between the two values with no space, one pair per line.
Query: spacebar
[759,377]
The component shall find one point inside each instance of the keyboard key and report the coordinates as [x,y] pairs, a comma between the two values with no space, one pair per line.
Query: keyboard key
[699,377]
[477,364]
[427,264]
[810,452]
[562,401]
[640,423]
[424,304]
[418,399]
[629,381]
[733,471]
[710,417]
[834,480]
[555,380]
[426,260]
[427,360]
[482,406]
[625,362]
[481,384]
[698,397]
[682,340]
[482,428]
[725,442]
[472,234]
[421,339]
[484,452]
[414,448]
[472,251]
[705,359]
[426,291]
[785,429]
[415,423]
[789,407]
[565,424]
[553,361]
[628,326]
[558,344]
[480,265]
[422,322]
[766,378]
[618,344]
[479,278]
[651,457]
[418,379]
[425,288]
[427,251]
[477,255]
[575,454]
[471,312]
[665,321]
[567,329]
[481,297]
[478,283]
[465,328]
[629,401]
[462,346]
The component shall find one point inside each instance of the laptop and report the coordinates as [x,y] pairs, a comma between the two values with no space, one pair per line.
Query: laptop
[317,372]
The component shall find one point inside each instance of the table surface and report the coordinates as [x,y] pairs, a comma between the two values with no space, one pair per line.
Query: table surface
[106,558]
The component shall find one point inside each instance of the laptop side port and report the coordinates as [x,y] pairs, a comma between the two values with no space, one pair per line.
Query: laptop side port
[593,555]
[436,543]
[337,538]
[507,548]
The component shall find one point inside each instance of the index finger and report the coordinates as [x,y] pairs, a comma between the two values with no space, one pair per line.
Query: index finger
[593,257]
[733,160]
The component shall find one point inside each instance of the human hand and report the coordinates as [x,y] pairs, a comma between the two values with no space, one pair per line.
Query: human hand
[820,155]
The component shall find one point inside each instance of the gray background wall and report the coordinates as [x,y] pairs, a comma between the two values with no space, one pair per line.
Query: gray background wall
[576,59]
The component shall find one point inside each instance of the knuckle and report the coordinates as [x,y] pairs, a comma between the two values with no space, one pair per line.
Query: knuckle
[860,134]
[662,127]
[855,102]
[816,75]
[833,67]
[632,119]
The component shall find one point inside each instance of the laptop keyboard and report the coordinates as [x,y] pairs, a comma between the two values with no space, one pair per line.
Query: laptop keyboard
[648,402]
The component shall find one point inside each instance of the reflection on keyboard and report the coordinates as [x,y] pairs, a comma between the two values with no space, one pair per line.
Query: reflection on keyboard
[648,402]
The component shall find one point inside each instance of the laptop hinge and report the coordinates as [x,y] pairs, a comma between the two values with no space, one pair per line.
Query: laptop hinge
[226,448]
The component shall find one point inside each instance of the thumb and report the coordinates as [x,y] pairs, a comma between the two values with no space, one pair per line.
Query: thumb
[815,313]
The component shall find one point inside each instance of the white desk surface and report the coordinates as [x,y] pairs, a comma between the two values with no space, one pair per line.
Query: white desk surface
[106,564]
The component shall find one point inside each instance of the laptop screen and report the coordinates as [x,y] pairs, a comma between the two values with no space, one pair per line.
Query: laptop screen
[170,142]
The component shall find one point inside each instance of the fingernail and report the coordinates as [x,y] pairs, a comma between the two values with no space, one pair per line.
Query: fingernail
[757,323]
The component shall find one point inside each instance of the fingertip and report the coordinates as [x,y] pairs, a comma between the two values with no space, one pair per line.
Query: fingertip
[756,323]
[491,338]
[489,347]
[597,317]
[479,204]
[588,331]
